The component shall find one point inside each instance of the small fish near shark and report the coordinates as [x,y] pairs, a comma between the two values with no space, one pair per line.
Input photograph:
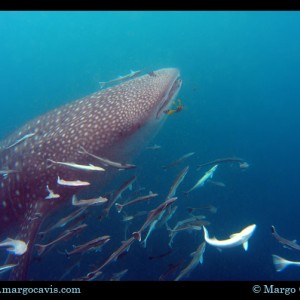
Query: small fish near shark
[236,239]
[115,122]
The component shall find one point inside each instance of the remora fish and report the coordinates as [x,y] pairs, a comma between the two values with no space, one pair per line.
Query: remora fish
[131,75]
[108,162]
[177,182]
[193,223]
[197,258]
[222,160]
[153,215]
[114,122]
[178,161]
[118,276]
[88,202]
[72,182]
[64,221]
[89,167]
[236,239]
[113,257]
[94,244]
[6,268]
[137,200]
[207,207]
[285,242]
[201,181]
[64,236]
[126,185]
[154,147]
[20,140]
[281,263]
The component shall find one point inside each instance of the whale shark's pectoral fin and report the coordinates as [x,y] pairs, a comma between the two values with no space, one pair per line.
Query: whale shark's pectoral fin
[245,245]
[220,249]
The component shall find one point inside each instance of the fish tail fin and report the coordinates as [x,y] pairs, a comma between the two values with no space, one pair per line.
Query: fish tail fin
[82,150]
[137,235]
[168,227]
[74,200]
[50,163]
[40,249]
[206,236]
[119,207]
[67,254]
[280,263]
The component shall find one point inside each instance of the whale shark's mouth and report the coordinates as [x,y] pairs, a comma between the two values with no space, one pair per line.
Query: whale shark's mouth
[169,96]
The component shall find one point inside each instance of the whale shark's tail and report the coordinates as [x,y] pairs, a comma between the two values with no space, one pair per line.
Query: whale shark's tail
[280,263]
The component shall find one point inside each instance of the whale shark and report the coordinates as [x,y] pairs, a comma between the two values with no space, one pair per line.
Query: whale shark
[114,123]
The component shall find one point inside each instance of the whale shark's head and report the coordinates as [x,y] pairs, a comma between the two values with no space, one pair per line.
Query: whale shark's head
[136,108]
[142,100]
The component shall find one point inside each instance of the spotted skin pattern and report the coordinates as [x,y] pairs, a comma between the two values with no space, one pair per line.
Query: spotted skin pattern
[111,123]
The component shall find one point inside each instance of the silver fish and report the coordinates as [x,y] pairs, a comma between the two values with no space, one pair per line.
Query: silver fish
[202,180]
[136,200]
[285,242]
[118,276]
[88,202]
[281,263]
[6,268]
[72,183]
[113,257]
[131,75]
[153,215]
[89,167]
[92,245]
[197,258]
[154,147]
[180,177]
[222,160]
[178,161]
[64,221]
[29,135]
[108,162]
[126,185]
[64,236]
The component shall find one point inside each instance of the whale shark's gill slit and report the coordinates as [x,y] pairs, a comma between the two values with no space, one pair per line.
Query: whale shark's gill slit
[169,96]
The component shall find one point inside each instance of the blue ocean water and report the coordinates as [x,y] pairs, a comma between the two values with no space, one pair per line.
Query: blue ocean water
[240,73]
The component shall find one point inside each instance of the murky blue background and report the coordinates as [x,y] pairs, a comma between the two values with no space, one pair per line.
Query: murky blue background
[241,92]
